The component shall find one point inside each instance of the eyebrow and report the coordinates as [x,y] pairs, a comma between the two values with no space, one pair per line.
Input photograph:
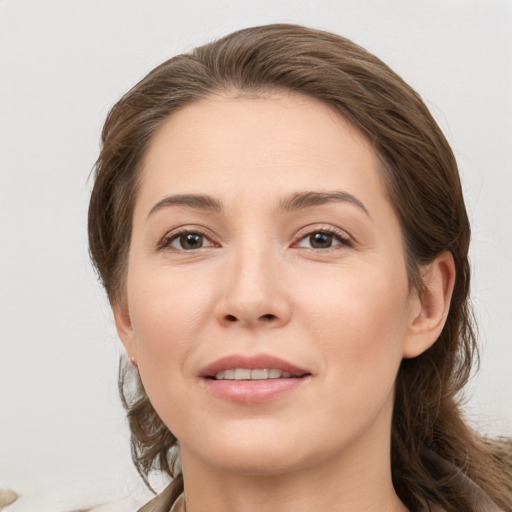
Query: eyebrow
[198,201]
[301,200]
[297,201]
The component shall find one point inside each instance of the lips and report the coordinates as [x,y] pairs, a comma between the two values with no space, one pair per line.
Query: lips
[256,374]
[252,379]
[239,367]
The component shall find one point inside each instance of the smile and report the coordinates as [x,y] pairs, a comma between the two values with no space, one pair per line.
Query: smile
[253,367]
[252,378]
[247,374]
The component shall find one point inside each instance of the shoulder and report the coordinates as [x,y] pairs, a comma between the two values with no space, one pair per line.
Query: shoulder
[169,500]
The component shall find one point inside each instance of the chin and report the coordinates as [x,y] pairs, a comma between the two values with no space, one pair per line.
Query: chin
[259,461]
[258,450]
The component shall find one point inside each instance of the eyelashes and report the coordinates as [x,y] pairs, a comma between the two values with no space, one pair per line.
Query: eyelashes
[320,239]
[186,240]
[323,239]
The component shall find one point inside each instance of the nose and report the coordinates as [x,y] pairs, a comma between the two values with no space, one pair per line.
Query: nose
[253,294]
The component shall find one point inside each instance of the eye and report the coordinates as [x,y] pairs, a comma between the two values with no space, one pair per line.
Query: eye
[323,240]
[187,241]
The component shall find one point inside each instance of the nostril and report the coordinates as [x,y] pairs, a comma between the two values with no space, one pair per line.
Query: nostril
[265,318]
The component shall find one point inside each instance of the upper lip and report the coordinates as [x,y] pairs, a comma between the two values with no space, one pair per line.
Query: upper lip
[254,362]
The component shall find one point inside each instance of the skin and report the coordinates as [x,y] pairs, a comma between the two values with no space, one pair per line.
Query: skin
[258,284]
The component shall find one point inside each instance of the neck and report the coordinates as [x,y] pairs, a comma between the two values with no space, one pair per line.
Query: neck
[359,479]
[297,493]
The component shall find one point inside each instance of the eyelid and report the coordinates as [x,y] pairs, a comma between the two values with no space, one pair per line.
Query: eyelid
[165,242]
[344,238]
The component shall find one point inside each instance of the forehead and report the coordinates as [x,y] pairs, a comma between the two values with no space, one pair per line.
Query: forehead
[277,142]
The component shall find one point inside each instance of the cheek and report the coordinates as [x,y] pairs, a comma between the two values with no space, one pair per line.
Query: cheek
[354,303]
[165,319]
[359,332]
[168,311]
[360,323]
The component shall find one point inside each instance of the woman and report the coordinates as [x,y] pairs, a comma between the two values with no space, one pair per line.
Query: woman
[279,225]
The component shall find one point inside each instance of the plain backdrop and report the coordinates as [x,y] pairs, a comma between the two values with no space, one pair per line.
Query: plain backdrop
[65,62]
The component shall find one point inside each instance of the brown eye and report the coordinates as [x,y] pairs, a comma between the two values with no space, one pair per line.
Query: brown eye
[189,241]
[323,240]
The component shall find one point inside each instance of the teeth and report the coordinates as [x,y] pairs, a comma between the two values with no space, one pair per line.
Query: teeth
[242,374]
[274,374]
[259,374]
[246,374]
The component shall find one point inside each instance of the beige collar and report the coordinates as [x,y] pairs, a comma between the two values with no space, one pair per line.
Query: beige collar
[179,504]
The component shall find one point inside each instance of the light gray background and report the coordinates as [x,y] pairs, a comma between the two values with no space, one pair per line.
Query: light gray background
[65,62]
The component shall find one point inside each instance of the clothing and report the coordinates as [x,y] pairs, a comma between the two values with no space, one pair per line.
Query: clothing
[166,502]
[162,503]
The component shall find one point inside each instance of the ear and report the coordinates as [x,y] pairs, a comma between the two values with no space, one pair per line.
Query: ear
[431,305]
[124,327]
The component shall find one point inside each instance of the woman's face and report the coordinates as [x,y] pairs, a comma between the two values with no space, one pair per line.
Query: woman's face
[267,300]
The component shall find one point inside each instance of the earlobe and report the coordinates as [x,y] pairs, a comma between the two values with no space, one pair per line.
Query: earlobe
[434,299]
[124,326]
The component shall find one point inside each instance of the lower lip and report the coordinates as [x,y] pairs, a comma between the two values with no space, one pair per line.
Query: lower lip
[253,391]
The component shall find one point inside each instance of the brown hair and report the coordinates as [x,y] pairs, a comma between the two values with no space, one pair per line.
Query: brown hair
[431,443]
